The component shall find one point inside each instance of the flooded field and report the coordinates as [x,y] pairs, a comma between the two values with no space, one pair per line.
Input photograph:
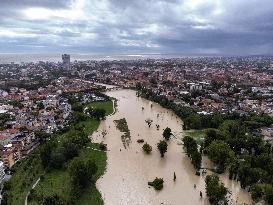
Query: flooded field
[129,169]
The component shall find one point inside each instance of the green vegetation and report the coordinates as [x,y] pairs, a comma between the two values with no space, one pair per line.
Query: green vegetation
[157,183]
[53,162]
[42,136]
[248,158]
[96,110]
[17,104]
[107,106]
[81,173]
[3,119]
[89,126]
[162,146]
[167,133]
[61,180]
[97,113]
[122,126]
[256,192]
[268,193]
[103,146]
[77,107]
[221,154]
[40,105]
[215,190]
[198,135]
[147,148]
[26,172]
[191,149]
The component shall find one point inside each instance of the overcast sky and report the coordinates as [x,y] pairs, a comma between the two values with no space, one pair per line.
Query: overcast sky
[137,26]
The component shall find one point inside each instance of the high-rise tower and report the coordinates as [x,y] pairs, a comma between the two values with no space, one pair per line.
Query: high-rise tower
[66,61]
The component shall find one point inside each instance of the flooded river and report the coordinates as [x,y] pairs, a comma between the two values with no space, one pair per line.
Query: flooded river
[129,170]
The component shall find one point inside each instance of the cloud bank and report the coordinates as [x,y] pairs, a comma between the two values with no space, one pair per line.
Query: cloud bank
[234,27]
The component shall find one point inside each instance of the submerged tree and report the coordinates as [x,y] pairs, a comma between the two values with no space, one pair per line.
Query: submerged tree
[191,149]
[104,133]
[147,148]
[162,147]
[149,122]
[221,154]
[157,183]
[215,190]
[167,133]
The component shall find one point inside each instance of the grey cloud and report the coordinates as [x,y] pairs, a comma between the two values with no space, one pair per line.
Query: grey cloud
[53,4]
[167,26]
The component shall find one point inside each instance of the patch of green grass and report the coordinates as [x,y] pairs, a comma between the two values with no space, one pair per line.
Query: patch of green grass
[198,135]
[53,182]
[90,126]
[107,106]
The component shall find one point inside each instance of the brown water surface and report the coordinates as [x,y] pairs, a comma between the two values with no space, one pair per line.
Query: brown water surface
[129,170]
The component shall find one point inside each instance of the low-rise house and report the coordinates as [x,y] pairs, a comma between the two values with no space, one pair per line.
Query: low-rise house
[4,140]
[10,154]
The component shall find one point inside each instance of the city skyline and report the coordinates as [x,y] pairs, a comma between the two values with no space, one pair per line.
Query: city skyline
[132,27]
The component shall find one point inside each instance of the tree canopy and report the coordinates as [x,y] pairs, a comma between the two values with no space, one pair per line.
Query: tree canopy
[215,190]
[167,133]
[220,153]
[162,147]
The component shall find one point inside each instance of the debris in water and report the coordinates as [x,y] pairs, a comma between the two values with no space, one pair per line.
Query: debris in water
[140,140]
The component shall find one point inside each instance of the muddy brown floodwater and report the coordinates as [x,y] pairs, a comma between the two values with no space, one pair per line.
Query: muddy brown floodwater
[129,170]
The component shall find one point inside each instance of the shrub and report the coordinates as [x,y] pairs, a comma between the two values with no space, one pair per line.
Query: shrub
[167,133]
[147,148]
[157,183]
[162,147]
[103,146]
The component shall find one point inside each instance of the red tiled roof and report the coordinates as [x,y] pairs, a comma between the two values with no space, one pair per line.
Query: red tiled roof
[2,137]
[11,131]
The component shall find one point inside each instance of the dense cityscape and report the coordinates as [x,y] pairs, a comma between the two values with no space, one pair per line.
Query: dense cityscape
[125,102]
[39,100]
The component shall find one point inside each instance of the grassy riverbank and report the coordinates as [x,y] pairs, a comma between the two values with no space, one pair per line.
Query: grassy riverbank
[57,181]
[107,106]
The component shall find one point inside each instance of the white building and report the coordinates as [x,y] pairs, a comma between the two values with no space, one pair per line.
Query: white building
[194,86]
